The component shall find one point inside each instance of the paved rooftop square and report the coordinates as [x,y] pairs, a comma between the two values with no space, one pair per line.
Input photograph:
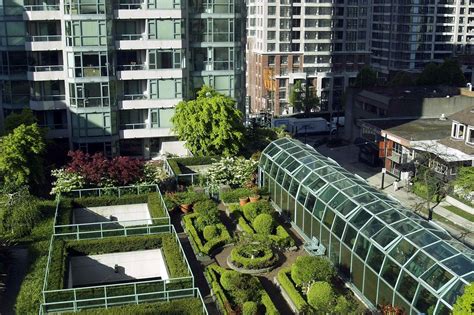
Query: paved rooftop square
[114,213]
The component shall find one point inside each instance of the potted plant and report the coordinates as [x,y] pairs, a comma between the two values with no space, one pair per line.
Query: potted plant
[243,201]
[254,198]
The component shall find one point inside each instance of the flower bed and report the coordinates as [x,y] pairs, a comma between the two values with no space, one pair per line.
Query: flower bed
[227,299]
[279,236]
[197,239]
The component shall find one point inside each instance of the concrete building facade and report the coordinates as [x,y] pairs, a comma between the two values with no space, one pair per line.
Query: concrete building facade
[106,75]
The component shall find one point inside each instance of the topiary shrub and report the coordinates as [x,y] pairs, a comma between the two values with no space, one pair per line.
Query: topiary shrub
[264,224]
[321,296]
[204,206]
[210,218]
[210,232]
[242,287]
[311,268]
[249,308]
[253,209]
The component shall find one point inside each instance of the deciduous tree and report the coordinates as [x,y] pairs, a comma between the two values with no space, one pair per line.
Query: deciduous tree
[210,124]
[14,120]
[366,77]
[464,304]
[303,99]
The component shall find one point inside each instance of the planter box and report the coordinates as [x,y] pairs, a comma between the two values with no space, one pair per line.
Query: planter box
[459,204]
[286,297]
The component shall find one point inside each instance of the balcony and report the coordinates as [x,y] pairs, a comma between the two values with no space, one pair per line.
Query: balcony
[45,73]
[42,12]
[142,72]
[143,130]
[140,11]
[141,101]
[43,42]
[48,102]
[56,131]
[141,41]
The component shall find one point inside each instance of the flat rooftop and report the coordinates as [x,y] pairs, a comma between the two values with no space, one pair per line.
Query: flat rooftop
[415,92]
[138,213]
[414,129]
[95,270]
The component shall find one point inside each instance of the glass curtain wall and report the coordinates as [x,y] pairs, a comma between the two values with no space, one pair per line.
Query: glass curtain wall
[389,254]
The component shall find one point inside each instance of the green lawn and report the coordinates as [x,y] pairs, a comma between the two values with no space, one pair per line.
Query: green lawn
[460,212]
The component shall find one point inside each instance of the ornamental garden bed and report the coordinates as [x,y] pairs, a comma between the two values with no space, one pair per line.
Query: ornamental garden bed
[257,219]
[186,170]
[175,280]
[102,212]
[238,293]
[252,258]
[231,196]
[309,286]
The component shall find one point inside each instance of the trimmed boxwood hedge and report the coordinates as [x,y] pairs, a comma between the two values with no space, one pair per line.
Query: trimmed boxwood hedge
[176,163]
[177,267]
[237,257]
[187,306]
[233,195]
[198,242]
[287,284]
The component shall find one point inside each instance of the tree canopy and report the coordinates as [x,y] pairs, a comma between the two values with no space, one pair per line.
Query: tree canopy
[14,120]
[303,99]
[449,73]
[366,77]
[465,302]
[465,178]
[21,161]
[210,124]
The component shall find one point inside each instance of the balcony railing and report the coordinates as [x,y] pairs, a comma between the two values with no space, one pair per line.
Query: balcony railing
[131,67]
[129,6]
[45,68]
[54,126]
[42,7]
[43,38]
[134,97]
[48,98]
[135,126]
[130,36]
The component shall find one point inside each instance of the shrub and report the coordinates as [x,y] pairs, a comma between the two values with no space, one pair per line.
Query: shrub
[210,232]
[311,268]
[19,213]
[103,201]
[190,197]
[282,239]
[233,195]
[228,279]
[342,305]
[210,218]
[264,224]
[242,287]
[249,308]
[197,243]
[202,207]
[288,286]
[270,308]
[156,209]
[321,296]
[253,209]
[252,256]
[175,262]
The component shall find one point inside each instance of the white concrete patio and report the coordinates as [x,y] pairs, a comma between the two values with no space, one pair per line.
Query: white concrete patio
[120,213]
[100,269]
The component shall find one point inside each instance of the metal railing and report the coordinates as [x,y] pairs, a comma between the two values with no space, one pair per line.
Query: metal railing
[181,179]
[133,97]
[43,38]
[46,98]
[45,68]
[42,7]
[132,67]
[130,36]
[134,126]
[130,6]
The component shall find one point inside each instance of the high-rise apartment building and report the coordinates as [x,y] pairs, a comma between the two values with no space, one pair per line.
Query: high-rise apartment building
[406,35]
[323,43]
[326,42]
[105,75]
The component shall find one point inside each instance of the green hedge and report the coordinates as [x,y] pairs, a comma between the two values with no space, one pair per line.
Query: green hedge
[237,257]
[288,286]
[199,243]
[103,201]
[176,163]
[187,306]
[174,259]
[233,195]
[270,308]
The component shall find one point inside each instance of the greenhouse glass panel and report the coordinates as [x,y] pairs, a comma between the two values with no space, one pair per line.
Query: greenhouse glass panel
[422,238]
[364,199]
[334,250]
[315,228]
[268,166]
[391,216]
[385,294]
[361,218]
[385,237]
[270,149]
[377,207]
[316,184]
[372,227]
[319,209]
[325,236]
[346,207]
[310,202]
[338,227]
[357,272]
[299,215]
[425,302]
[370,285]
[345,266]
[293,150]
[292,207]
[281,158]
[354,190]
[456,290]
[307,222]
[390,271]
[286,181]
[273,152]
[443,309]
[277,197]
[294,187]
[403,251]
[302,194]
[302,173]
[437,276]
[469,278]
[402,304]
[405,227]
[419,264]
[292,167]
[460,264]
[284,201]
[287,162]
[338,199]
[342,184]
[324,171]
[274,170]
[362,246]
[407,286]
[327,194]
[279,178]
[441,251]
[350,236]
[328,218]
[375,258]
[314,164]
[333,177]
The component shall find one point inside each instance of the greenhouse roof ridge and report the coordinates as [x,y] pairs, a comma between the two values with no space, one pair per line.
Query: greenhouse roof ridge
[421,250]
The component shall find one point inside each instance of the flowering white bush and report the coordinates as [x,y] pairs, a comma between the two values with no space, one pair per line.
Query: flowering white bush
[231,171]
[66,181]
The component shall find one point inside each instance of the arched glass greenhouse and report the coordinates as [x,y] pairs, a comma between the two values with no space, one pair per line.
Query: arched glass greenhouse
[390,255]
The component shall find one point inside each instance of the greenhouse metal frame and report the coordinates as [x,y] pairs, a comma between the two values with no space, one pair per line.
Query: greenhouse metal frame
[390,255]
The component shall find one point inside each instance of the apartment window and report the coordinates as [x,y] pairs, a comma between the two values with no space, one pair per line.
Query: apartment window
[470,135]
[87,64]
[165,88]
[165,59]
[84,7]
[165,29]
[270,47]
[271,22]
[458,130]
[89,94]
[271,10]
[283,60]
[281,95]
[271,35]
[86,33]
